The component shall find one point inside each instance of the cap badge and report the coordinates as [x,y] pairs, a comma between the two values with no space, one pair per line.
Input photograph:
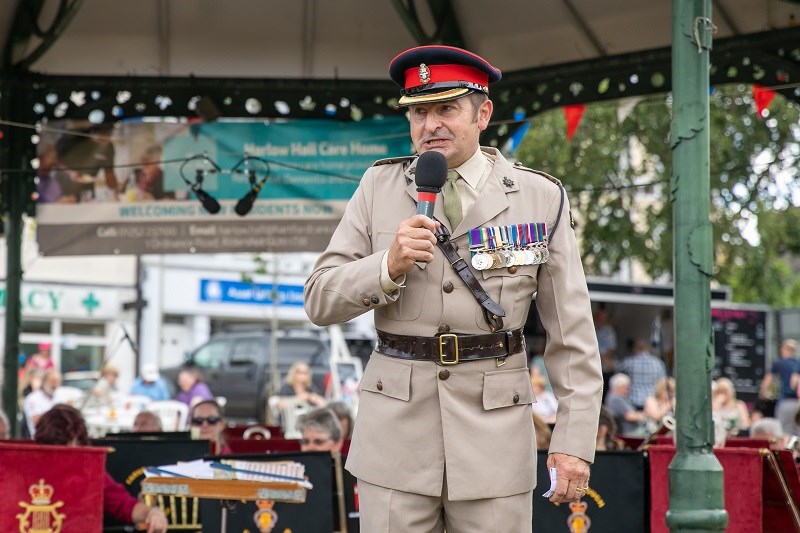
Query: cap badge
[424,73]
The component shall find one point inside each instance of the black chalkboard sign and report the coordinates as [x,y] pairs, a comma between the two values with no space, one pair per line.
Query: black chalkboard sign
[740,346]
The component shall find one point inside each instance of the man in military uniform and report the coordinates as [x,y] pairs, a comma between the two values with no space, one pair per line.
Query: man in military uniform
[444,437]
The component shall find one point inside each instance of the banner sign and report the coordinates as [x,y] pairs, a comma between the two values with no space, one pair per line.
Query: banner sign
[240,292]
[124,190]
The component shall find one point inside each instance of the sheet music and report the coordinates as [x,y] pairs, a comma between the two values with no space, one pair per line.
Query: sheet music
[282,471]
[198,469]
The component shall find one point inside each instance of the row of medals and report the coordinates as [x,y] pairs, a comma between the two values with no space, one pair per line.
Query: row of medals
[533,254]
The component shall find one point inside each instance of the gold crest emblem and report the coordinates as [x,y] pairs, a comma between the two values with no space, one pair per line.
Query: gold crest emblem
[424,73]
[265,517]
[40,515]
[578,521]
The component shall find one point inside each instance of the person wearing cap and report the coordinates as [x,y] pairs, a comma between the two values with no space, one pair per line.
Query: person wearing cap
[42,359]
[150,384]
[443,437]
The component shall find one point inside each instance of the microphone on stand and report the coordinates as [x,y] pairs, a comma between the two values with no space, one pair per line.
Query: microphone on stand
[430,176]
[245,204]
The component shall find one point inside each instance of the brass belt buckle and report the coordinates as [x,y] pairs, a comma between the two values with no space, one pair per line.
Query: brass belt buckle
[442,359]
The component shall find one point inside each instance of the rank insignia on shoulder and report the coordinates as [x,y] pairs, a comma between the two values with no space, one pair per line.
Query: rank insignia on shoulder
[571,220]
[392,160]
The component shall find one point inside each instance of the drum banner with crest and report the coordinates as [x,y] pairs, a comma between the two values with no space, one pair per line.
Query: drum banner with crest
[57,489]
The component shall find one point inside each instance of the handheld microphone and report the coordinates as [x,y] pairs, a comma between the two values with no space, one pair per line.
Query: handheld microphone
[244,205]
[430,176]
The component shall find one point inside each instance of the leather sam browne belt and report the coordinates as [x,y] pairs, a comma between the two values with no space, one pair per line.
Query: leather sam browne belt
[451,348]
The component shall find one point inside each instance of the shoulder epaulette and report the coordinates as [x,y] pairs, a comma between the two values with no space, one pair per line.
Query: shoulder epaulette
[520,166]
[393,160]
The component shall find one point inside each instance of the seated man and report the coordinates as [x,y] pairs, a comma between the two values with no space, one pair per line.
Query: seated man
[771,430]
[321,431]
[150,384]
[42,400]
[146,422]
[628,419]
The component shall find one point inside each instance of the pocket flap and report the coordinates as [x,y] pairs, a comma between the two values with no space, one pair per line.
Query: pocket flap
[388,377]
[521,270]
[506,388]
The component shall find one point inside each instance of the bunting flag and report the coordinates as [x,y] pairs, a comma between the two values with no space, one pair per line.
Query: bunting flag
[518,135]
[626,106]
[573,114]
[763,97]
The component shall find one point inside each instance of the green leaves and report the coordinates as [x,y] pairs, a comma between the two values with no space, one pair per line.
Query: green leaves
[618,177]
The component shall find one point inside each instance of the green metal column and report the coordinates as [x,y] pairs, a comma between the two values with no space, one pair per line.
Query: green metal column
[13,190]
[695,476]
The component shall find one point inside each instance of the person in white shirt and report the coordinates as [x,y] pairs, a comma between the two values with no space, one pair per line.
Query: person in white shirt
[42,400]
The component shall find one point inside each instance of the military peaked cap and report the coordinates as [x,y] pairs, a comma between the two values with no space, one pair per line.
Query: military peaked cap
[439,73]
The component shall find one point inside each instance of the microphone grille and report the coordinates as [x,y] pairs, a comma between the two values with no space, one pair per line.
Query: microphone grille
[431,170]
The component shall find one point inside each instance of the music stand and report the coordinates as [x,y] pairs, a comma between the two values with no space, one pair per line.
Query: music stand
[222,489]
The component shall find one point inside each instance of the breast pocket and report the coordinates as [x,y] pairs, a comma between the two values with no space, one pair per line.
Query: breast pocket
[507,388]
[409,304]
[387,377]
[513,291]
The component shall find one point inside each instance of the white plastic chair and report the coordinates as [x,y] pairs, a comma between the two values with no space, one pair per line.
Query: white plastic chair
[291,408]
[174,415]
[256,433]
[132,403]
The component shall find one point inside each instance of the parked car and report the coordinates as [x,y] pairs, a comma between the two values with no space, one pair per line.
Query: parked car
[236,365]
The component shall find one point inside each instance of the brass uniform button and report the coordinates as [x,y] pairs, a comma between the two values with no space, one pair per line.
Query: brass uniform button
[376,300]
[444,328]
[447,287]
[516,398]
[512,269]
[444,374]
[379,385]
[366,302]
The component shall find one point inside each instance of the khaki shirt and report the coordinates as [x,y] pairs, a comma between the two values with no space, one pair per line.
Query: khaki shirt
[414,425]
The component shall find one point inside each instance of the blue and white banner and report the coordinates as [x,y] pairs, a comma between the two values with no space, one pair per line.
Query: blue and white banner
[241,292]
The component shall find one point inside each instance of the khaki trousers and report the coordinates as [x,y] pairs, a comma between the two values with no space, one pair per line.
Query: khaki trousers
[385,510]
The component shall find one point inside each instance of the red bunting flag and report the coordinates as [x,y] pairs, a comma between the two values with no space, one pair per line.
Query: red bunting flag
[573,114]
[763,97]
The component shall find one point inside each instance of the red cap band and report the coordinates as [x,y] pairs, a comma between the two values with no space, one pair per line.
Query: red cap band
[446,73]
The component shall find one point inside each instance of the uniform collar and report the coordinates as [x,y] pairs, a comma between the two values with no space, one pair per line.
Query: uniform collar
[473,168]
[492,197]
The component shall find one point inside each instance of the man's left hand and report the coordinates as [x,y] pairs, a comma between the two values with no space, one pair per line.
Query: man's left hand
[572,476]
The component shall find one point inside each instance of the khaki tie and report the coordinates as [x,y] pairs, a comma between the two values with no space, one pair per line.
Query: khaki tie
[452,199]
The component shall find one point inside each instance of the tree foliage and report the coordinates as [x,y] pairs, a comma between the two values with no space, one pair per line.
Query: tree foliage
[618,174]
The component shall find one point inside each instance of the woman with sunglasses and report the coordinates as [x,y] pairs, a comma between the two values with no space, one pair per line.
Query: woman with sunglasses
[208,423]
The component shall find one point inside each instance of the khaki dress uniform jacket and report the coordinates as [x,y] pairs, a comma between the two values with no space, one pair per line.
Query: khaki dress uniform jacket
[418,421]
